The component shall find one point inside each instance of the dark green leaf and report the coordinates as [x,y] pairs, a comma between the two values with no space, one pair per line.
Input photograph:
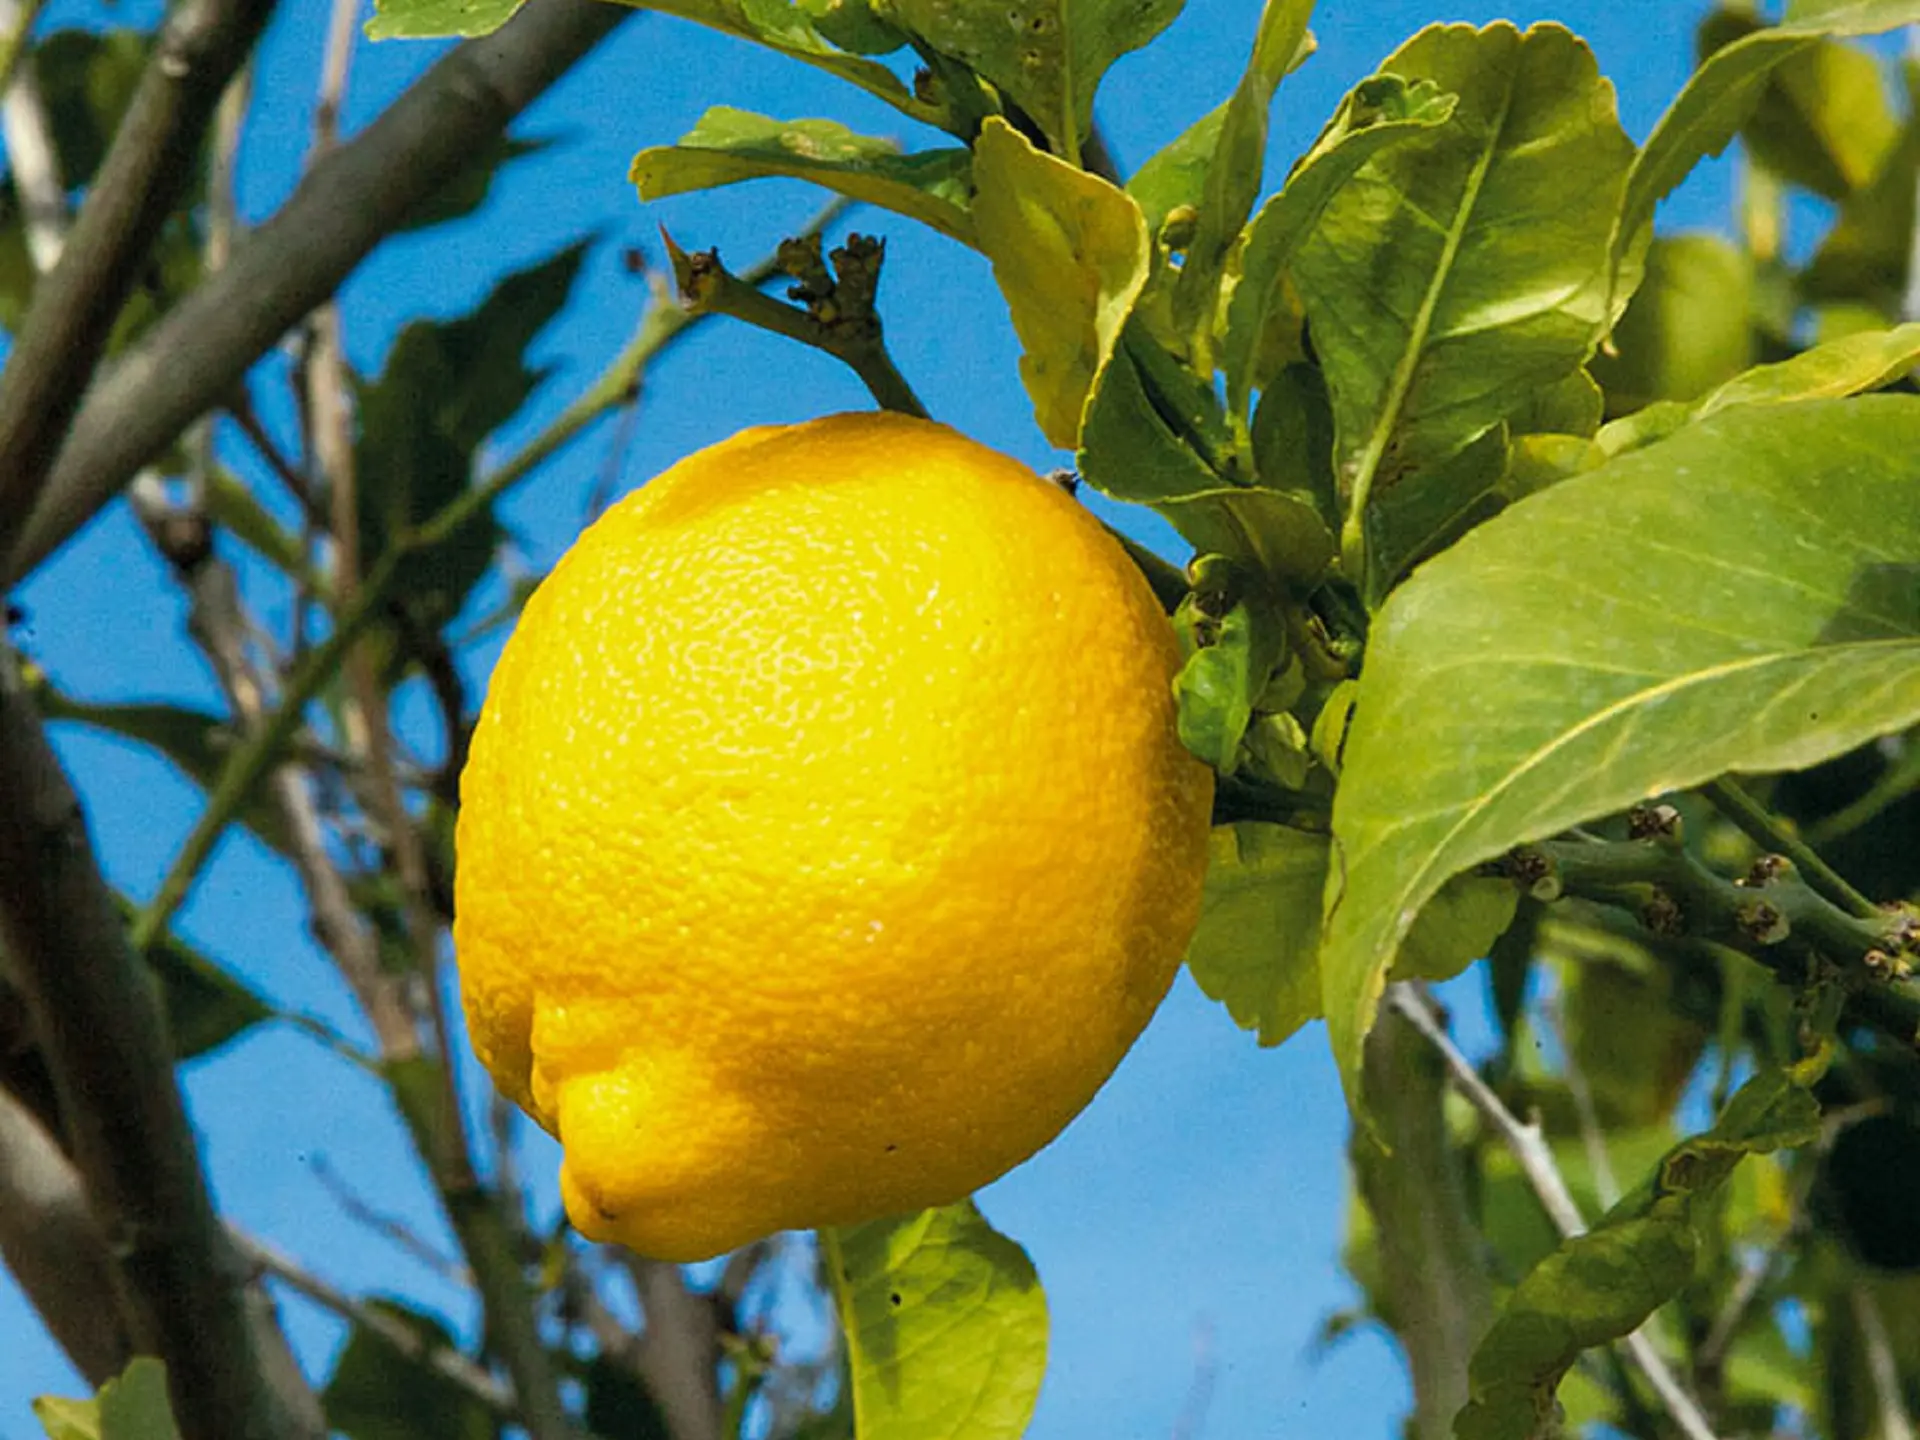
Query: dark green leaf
[729,146]
[1239,158]
[206,1005]
[1866,255]
[1688,329]
[1467,266]
[1378,113]
[1133,449]
[1709,112]
[1047,56]
[1257,949]
[945,1324]
[1622,635]
[1456,928]
[786,26]
[378,1393]
[197,743]
[1430,509]
[234,507]
[87,79]
[467,191]
[132,1407]
[619,1406]
[1070,254]
[430,19]
[445,388]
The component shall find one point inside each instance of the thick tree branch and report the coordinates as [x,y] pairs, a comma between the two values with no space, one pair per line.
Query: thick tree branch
[55,1248]
[197,355]
[140,181]
[105,1042]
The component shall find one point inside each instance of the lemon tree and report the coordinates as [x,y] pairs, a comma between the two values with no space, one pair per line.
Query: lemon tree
[1544,627]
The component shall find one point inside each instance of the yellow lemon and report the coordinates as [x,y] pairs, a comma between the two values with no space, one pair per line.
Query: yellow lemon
[826,839]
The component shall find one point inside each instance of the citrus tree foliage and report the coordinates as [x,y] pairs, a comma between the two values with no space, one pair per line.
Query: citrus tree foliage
[1553,610]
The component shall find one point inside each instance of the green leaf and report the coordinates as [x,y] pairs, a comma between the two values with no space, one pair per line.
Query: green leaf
[132,1407]
[232,505]
[1604,1284]
[1467,266]
[1070,253]
[1706,115]
[1866,255]
[788,28]
[1376,114]
[1688,329]
[1573,406]
[467,190]
[855,25]
[1137,444]
[378,1393]
[1257,948]
[1597,1287]
[206,1004]
[945,1324]
[1532,677]
[432,19]
[197,743]
[1177,174]
[1823,121]
[447,386]
[1456,928]
[87,80]
[1225,676]
[619,1406]
[1429,510]
[729,146]
[1239,159]
[1047,56]
[1842,367]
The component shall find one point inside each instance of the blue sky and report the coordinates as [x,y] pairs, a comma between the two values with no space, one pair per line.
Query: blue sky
[1191,1219]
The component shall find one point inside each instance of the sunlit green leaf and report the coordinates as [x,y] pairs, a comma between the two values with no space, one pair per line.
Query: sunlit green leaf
[1709,112]
[1841,367]
[1823,121]
[1866,255]
[1467,266]
[1070,253]
[1531,677]
[1688,329]
[132,1407]
[1457,927]
[1047,56]
[1226,674]
[1233,176]
[855,25]
[430,19]
[1257,950]
[1177,174]
[729,146]
[945,1325]
[1602,1285]
[1378,113]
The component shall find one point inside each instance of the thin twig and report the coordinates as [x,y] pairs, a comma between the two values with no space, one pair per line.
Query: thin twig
[407,1341]
[1768,832]
[390,1228]
[711,289]
[1885,1370]
[1535,1157]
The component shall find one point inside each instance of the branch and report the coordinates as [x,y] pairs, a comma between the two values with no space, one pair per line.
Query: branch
[1772,915]
[839,319]
[105,1042]
[403,1338]
[142,178]
[1774,837]
[55,1248]
[1530,1150]
[195,357]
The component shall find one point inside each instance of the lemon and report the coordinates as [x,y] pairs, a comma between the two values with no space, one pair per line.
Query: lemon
[826,839]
